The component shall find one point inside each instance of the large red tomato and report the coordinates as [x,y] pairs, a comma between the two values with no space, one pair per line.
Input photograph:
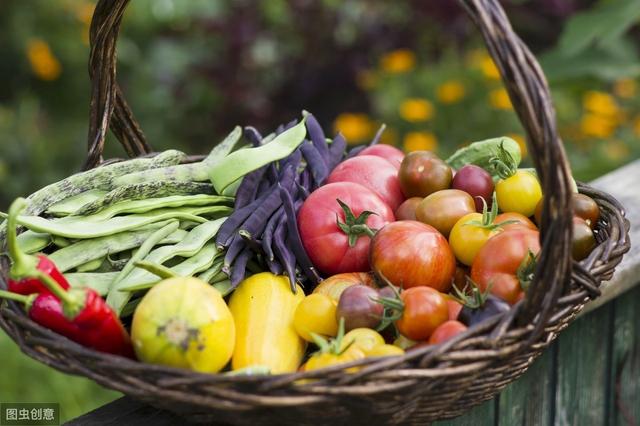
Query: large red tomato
[376,173]
[410,254]
[388,152]
[500,260]
[326,243]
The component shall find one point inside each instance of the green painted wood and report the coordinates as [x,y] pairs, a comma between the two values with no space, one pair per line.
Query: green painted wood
[483,414]
[583,370]
[624,397]
[529,400]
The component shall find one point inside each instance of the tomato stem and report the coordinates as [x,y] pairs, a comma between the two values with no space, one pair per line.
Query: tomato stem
[476,299]
[354,227]
[503,163]
[526,270]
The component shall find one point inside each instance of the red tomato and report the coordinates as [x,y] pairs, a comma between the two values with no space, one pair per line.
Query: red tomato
[388,152]
[410,254]
[446,331]
[518,221]
[424,310]
[407,210]
[375,173]
[498,261]
[454,309]
[325,243]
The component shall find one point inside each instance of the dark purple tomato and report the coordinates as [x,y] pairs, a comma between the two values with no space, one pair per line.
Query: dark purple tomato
[423,173]
[583,239]
[476,182]
[407,210]
[359,308]
[493,305]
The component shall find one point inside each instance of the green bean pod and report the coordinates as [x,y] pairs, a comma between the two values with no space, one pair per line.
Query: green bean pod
[70,205]
[98,281]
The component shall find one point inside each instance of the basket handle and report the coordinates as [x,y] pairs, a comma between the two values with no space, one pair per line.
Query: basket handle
[524,81]
[108,108]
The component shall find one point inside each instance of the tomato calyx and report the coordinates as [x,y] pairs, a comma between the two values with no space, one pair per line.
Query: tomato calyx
[526,270]
[489,216]
[475,299]
[332,346]
[354,227]
[503,163]
[393,309]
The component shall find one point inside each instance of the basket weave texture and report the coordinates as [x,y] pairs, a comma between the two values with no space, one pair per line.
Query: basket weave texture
[427,384]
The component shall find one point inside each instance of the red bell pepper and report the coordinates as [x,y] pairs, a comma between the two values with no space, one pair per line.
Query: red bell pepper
[79,314]
[21,274]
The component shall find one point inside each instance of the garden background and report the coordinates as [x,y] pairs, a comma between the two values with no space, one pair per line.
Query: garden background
[192,69]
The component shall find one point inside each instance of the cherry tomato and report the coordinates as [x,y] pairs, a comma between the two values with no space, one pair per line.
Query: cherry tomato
[372,172]
[446,331]
[359,308]
[409,254]
[315,313]
[499,260]
[583,239]
[518,221]
[407,210]
[519,193]
[327,359]
[468,236]
[388,152]
[583,206]
[335,284]
[424,310]
[454,308]
[384,350]
[422,173]
[364,338]
[326,244]
[444,208]
[475,181]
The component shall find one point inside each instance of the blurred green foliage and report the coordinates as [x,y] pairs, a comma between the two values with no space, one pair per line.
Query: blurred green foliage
[192,69]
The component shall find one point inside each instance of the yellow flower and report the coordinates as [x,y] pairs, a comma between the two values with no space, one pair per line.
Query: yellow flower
[354,126]
[616,150]
[499,99]
[84,12]
[489,68]
[416,110]
[522,143]
[450,92]
[598,126]
[475,57]
[420,141]
[600,103]
[366,79]
[625,88]
[43,63]
[636,126]
[398,61]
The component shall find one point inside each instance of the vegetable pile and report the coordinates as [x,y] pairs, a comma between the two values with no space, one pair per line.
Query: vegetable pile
[281,253]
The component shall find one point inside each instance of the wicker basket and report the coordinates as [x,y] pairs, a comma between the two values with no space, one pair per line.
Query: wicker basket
[431,383]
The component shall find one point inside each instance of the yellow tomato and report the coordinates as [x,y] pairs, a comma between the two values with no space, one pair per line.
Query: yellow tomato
[385,350]
[316,313]
[327,359]
[468,236]
[184,322]
[364,338]
[519,193]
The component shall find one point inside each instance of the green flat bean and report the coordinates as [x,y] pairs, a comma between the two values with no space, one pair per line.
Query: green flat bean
[212,272]
[145,191]
[100,282]
[239,163]
[91,266]
[33,242]
[192,265]
[144,206]
[87,250]
[196,172]
[71,204]
[224,287]
[145,248]
[60,241]
[83,229]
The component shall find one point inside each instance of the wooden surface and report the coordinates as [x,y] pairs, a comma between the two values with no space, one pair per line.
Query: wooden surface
[589,376]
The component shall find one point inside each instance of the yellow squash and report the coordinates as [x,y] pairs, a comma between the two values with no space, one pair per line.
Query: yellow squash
[262,307]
